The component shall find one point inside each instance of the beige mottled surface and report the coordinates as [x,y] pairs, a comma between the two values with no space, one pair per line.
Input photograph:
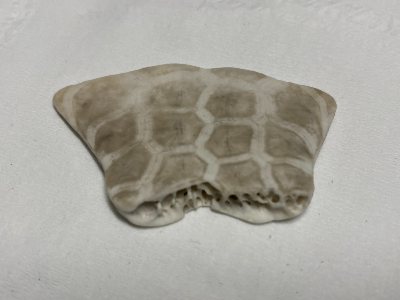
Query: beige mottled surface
[59,238]
[172,138]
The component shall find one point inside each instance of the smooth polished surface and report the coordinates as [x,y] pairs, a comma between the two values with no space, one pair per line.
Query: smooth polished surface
[173,138]
[58,237]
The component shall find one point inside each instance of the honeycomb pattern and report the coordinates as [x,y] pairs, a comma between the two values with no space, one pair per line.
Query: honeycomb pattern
[237,133]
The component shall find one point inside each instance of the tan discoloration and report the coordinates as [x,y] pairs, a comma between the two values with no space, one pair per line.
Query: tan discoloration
[173,138]
[230,102]
[280,142]
[116,134]
[229,140]
[175,129]
[128,168]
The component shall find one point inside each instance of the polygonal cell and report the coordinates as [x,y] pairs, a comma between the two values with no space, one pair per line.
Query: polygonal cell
[229,140]
[115,134]
[176,129]
[291,179]
[96,99]
[176,94]
[230,102]
[241,74]
[296,106]
[240,177]
[179,168]
[129,167]
[280,142]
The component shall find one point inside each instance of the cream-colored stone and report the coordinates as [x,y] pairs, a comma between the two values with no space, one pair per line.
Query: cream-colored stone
[237,141]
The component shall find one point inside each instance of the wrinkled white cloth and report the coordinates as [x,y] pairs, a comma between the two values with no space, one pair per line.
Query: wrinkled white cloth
[59,238]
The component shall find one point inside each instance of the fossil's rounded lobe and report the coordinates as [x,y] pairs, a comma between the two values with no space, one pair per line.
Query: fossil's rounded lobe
[152,214]
[126,201]
[173,138]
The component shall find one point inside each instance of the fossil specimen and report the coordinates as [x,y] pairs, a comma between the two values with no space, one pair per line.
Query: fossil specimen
[172,138]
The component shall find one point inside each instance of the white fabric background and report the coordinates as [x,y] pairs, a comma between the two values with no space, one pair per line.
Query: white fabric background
[59,239]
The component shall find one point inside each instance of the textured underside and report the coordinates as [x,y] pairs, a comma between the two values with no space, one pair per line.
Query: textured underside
[172,138]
